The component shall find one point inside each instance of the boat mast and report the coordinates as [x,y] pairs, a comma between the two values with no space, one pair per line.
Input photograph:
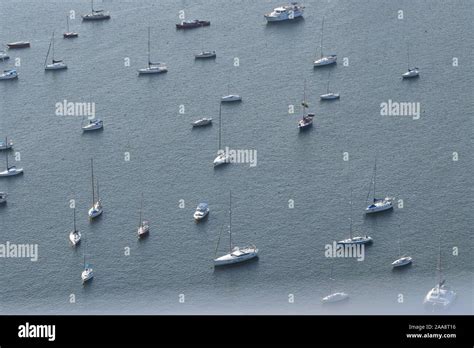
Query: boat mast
[93,192]
[74,212]
[53,46]
[329,79]
[230,221]
[92,5]
[375,174]
[322,35]
[149,62]
[67,23]
[350,218]
[439,262]
[220,123]
[408,56]
[303,104]
[47,54]
[6,154]
[399,241]
[141,209]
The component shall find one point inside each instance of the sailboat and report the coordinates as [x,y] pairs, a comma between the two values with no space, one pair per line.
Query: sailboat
[222,157]
[75,235]
[334,296]
[69,34]
[152,68]
[95,15]
[55,64]
[329,95]
[379,204]
[324,60]
[306,120]
[358,239]
[402,260]
[441,295]
[230,97]
[143,227]
[235,254]
[6,145]
[10,170]
[411,72]
[87,273]
[96,208]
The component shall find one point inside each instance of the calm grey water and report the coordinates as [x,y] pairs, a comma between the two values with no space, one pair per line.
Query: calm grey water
[171,162]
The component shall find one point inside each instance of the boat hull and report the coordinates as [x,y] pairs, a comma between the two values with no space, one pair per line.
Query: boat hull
[14,45]
[336,297]
[7,173]
[329,96]
[55,66]
[152,71]
[70,35]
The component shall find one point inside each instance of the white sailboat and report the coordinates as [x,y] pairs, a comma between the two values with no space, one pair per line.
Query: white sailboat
[9,74]
[222,157]
[357,239]
[402,260]
[55,64]
[143,226]
[441,296]
[411,72]
[69,34]
[75,235]
[229,98]
[329,95]
[93,125]
[324,60]
[236,254]
[88,272]
[334,296]
[378,204]
[96,208]
[306,121]
[152,68]
[10,170]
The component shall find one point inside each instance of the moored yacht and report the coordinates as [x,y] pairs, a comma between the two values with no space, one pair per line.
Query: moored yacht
[69,34]
[222,157]
[55,64]
[190,24]
[96,208]
[202,211]
[357,239]
[378,204]
[324,60]
[411,72]
[307,119]
[143,225]
[19,44]
[205,55]
[202,122]
[334,296]
[10,170]
[286,12]
[95,15]
[231,98]
[152,68]
[9,74]
[93,125]
[75,235]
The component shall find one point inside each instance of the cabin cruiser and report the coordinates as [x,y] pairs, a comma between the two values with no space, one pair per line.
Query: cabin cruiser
[75,237]
[357,240]
[379,205]
[93,125]
[18,44]
[195,23]
[306,122]
[202,122]
[6,146]
[153,68]
[283,13]
[3,197]
[87,274]
[201,212]
[237,255]
[231,98]
[205,54]
[96,15]
[402,261]
[326,60]
[56,65]
[412,72]
[329,96]
[440,296]
[9,74]
[95,210]
[4,56]
[335,297]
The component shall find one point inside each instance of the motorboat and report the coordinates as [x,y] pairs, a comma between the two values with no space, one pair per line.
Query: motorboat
[357,240]
[93,125]
[286,12]
[231,98]
[190,24]
[3,197]
[205,55]
[202,211]
[9,74]
[202,122]
[18,44]
[335,297]
[412,72]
